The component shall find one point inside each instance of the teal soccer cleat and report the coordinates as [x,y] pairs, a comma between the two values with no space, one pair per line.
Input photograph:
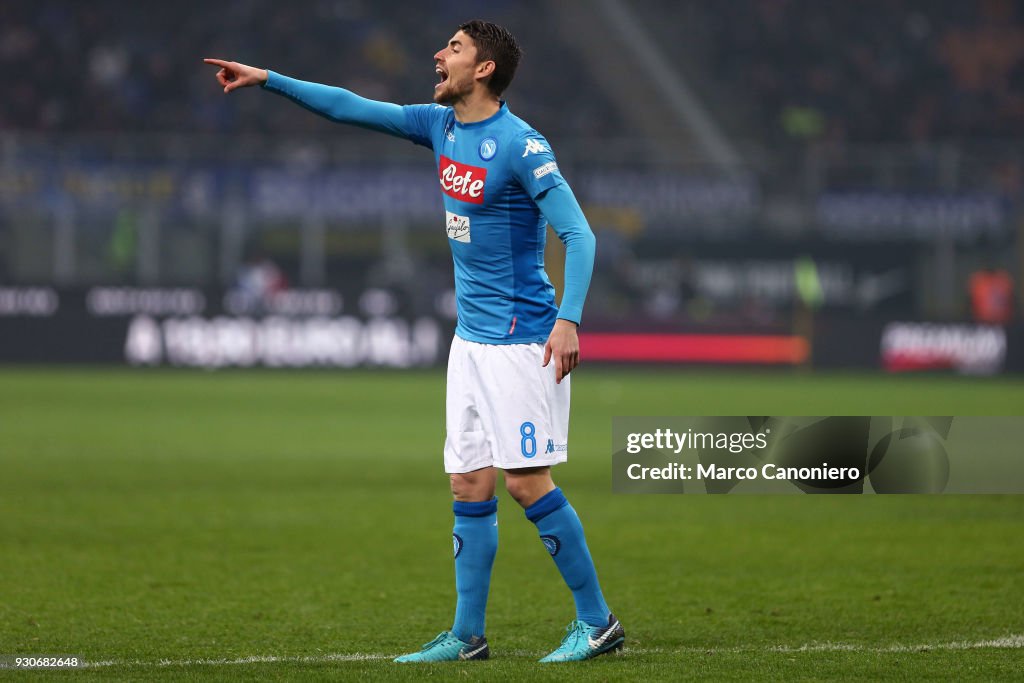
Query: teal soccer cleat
[586,642]
[447,648]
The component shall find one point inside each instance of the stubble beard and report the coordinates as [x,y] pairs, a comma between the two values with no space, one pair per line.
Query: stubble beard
[452,92]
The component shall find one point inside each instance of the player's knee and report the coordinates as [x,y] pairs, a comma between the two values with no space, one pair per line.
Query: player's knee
[518,489]
[471,487]
[528,489]
[460,487]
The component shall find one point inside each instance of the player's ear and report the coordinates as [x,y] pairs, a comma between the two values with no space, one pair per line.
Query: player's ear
[485,68]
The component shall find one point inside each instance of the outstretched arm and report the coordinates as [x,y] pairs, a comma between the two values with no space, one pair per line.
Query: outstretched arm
[563,212]
[336,104]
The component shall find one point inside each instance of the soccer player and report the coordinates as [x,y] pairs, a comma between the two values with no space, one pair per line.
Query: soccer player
[507,403]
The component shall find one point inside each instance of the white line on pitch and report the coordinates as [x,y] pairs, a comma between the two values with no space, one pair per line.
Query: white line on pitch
[254,659]
[1010,642]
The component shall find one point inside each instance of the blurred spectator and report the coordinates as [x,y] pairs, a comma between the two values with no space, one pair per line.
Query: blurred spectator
[865,72]
[114,66]
[991,296]
[804,70]
[259,281]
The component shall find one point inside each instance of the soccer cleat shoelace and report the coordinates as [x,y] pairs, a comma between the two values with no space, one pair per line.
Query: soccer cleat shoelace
[573,632]
[441,637]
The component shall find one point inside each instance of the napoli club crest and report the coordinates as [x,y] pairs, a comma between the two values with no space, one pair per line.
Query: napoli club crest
[552,544]
[488,148]
[457,543]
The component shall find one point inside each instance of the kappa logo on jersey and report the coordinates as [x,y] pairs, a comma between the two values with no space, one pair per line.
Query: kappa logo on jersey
[457,226]
[535,147]
[462,181]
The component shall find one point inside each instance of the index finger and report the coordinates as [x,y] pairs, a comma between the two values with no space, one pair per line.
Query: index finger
[217,62]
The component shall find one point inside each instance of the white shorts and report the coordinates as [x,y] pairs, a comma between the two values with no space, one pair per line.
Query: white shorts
[503,409]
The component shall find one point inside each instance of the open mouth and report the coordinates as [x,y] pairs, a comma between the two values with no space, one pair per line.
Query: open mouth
[442,74]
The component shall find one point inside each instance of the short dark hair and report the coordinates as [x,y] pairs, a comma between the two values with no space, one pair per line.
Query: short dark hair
[497,44]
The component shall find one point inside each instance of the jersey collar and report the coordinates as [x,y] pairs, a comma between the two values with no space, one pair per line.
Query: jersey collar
[502,110]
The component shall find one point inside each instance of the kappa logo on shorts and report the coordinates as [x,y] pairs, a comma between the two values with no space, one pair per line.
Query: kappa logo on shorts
[457,542]
[552,446]
[552,544]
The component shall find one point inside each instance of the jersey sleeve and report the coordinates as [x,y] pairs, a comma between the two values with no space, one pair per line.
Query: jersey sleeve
[533,164]
[421,120]
[344,106]
[563,212]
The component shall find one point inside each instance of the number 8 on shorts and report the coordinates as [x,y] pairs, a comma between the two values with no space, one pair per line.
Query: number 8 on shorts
[529,442]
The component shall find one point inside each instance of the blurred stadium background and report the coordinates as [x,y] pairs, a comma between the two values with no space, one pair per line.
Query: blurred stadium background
[824,186]
[833,185]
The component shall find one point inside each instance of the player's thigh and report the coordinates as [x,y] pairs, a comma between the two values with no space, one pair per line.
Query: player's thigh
[523,410]
[466,448]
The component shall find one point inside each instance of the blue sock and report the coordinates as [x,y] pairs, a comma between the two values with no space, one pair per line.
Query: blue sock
[476,543]
[562,533]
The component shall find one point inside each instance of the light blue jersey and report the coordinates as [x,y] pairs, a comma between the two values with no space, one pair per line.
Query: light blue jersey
[489,173]
[496,177]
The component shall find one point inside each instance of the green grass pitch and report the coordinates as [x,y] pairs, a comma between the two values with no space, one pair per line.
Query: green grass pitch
[282,525]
